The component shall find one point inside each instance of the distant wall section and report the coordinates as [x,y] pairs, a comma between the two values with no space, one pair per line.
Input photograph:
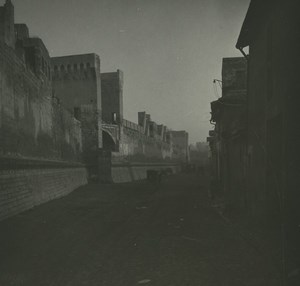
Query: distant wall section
[135,145]
[180,142]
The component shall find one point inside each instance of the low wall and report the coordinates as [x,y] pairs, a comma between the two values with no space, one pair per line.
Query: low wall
[122,173]
[25,184]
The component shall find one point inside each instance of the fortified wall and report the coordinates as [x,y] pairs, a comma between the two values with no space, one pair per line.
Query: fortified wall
[40,141]
[130,149]
[77,85]
[142,147]
[32,122]
[61,121]
[180,143]
[144,142]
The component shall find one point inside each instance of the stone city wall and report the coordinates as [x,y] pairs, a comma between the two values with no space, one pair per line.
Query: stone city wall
[38,140]
[32,124]
[136,146]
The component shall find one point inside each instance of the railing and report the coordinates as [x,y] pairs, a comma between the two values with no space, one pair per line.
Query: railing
[132,125]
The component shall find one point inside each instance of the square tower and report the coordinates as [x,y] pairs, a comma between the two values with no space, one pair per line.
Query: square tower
[7,22]
[112,97]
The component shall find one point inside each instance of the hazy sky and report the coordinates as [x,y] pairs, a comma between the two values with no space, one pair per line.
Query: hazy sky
[169,50]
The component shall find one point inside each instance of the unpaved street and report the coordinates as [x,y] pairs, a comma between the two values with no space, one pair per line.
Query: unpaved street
[130,234]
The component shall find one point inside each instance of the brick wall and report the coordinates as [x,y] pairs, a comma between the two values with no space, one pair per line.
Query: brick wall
[25,184]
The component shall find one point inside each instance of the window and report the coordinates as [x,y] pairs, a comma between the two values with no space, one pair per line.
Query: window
[69,68]
[62,68]
[75,67]
[114,117]
[81,66]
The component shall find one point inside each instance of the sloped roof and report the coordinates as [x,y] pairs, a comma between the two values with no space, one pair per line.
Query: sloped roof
[258,12]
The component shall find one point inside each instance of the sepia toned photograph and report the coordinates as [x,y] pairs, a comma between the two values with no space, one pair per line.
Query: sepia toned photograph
[149,142]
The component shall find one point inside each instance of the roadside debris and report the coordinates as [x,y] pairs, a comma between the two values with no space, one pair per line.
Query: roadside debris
[190,238]
[145,281]
[141,208]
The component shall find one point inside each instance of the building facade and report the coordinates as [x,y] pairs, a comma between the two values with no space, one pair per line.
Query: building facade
[228,140]
[271,32]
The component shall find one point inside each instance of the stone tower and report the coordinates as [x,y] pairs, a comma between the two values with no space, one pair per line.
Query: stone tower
[112,97]
[7,21]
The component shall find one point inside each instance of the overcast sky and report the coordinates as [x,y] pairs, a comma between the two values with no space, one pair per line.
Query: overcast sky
[169,50]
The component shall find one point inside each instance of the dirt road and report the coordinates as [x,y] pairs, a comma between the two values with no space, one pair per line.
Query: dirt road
[129,234]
